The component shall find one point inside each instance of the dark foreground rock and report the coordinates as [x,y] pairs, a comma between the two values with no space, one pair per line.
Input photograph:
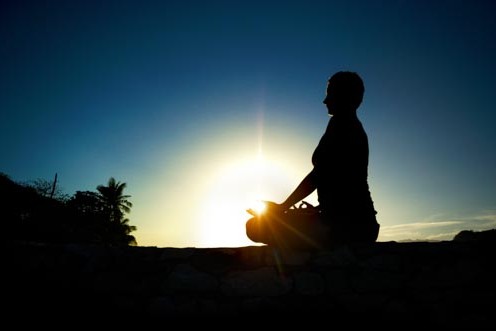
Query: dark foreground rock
[448,284]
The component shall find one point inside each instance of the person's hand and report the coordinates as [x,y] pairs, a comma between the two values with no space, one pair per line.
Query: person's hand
[269,207]
[252,212]
[258,208]
[272,207]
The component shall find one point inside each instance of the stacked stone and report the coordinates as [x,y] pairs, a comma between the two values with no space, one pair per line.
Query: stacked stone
[443,283]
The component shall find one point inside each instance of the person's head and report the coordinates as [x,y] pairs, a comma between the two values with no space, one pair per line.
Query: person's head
[345,91]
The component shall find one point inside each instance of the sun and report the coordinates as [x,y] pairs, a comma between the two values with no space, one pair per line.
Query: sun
[258,207]
[237,187]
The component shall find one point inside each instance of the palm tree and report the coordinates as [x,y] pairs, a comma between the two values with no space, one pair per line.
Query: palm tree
[127,229]
[114,205]
[114,200]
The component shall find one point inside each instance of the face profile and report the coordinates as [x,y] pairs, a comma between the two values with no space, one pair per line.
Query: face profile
[328,100]
[344,93]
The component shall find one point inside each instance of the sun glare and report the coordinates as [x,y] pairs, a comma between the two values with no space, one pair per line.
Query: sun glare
[258,207]
[235,189]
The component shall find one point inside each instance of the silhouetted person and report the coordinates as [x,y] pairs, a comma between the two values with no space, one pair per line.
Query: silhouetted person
[345,213]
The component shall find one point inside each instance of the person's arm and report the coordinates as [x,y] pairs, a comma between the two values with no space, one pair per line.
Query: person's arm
[304,189]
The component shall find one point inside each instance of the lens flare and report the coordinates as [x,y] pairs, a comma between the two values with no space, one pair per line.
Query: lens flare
[259,207]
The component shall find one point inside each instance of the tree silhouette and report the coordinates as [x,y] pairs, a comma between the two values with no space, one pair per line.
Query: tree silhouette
[35,212]
[131,240]
[114,200]
[47,189]
[86,203]
[115,204]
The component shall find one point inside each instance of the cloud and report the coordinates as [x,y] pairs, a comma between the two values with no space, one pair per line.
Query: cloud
[438,228]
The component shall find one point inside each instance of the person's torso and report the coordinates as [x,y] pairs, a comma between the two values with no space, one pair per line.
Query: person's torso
[341,168]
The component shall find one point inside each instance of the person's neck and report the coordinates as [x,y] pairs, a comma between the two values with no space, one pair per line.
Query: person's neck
[345,113]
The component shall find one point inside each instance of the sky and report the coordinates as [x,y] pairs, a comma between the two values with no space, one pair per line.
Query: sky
[203,107]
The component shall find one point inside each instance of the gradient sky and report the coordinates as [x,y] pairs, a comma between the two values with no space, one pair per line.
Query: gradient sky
[203,106]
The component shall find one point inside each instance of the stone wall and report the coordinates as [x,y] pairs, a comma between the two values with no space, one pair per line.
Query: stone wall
[387,283]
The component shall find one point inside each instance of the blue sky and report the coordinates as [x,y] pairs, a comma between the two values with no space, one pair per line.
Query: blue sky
[201,106]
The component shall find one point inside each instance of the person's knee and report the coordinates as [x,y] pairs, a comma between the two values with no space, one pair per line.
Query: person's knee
[252,230]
